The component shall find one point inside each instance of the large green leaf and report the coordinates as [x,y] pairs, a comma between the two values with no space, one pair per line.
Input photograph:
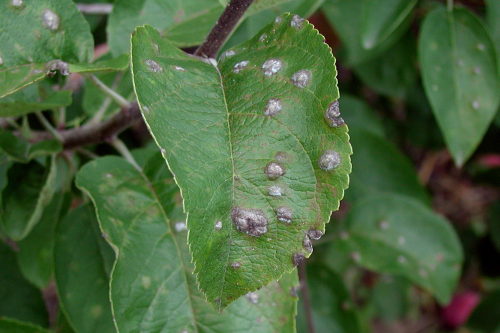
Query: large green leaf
[20,299]
[349,18]
[460,76]
[152,285]
[256,146]
[399,235]
[34,32]
[83,262]
[8,325]
[378,166]
[29,190]
[382,18]
[185,23]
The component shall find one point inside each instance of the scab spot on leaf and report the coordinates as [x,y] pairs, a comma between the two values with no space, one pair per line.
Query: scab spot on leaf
[477,70]
[145,109]
[284,214]
[293,291]
[252,297]
[297,22]
[235,265]
[163,150]
[278,20]
[275,191]
[355,256]
[239,66]
[108,175]
[480,47]
[423,273]
[1,61]
[332,115]
[307,244]
[179,68]
[272,66]
[401,240]
[475,105]
[435,87]
[16,3]
[50,19]
[383,225]
[273,107]
[297,258]
[263,37]
[402,259]
[227,54]
[329,160]
[344,235]
[153,66]
[302,78]
[274,170]
[250,221]
[315,234]
[218,225]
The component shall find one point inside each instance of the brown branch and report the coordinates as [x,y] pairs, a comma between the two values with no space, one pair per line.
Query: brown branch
[306,298]
[223,28]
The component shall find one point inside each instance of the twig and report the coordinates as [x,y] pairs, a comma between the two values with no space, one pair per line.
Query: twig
[107,101]
[95,8]
[449,5]
[121,101]
[223,28]
[306,298]
[48,125]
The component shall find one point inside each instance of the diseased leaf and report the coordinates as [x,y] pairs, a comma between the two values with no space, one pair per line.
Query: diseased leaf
[398,235]
[36,32]
[378,166]
[21,103]
[460,76]
[8,325]
[20,299]
[382,18]
[83,262]
[347,17]
[138,212]
[255,144]
[22,151]
[29,190]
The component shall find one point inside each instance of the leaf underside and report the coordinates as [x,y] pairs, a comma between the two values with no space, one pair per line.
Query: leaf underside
[260,160]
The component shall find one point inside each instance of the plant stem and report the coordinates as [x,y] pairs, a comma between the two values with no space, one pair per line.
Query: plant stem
[95,8]
[123,150]
[306,298]
[223,28]
[107,101]
[121,101]
[449,5]
[61,122]
[48,126]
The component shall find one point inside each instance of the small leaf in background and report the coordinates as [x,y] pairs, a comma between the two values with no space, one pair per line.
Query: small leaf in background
[485,317]
[83,262]
[152,285]
[381,19]
[460,76]
[332,308]
[28,100]
[103,65]
[360,116]
[35,32]
[398,235]
[36,250]
[348,19]
[8,325]
[255,143]
[378,166]
[20,299]
[393,73]
[391,297]
[22,151]
[492,14]
[30,188]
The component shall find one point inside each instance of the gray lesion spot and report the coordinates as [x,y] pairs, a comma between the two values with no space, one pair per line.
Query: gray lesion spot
[50,19]
[274,170]
[251,221]
[239,66]
[273,107]
[302,78]
[297,258]
[272,66]
[332,115]
[153,66]
[297,22]
[329,160]
[284,214]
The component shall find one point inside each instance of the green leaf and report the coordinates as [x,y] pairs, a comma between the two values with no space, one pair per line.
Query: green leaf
[485,316]
[83,262]
[22,151]
[137,212]
[5,164]
[378,166]
[185,23]
[391,297]
[24,102]
[36,250]
[460,76]
[349,17]
[247,144]
[393,73]
[382,18]
[332,308]
[30,189]
[8,325]
[35,32]
[398,235]
[109,65]
[360,116]
[20,299]
[492,14]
